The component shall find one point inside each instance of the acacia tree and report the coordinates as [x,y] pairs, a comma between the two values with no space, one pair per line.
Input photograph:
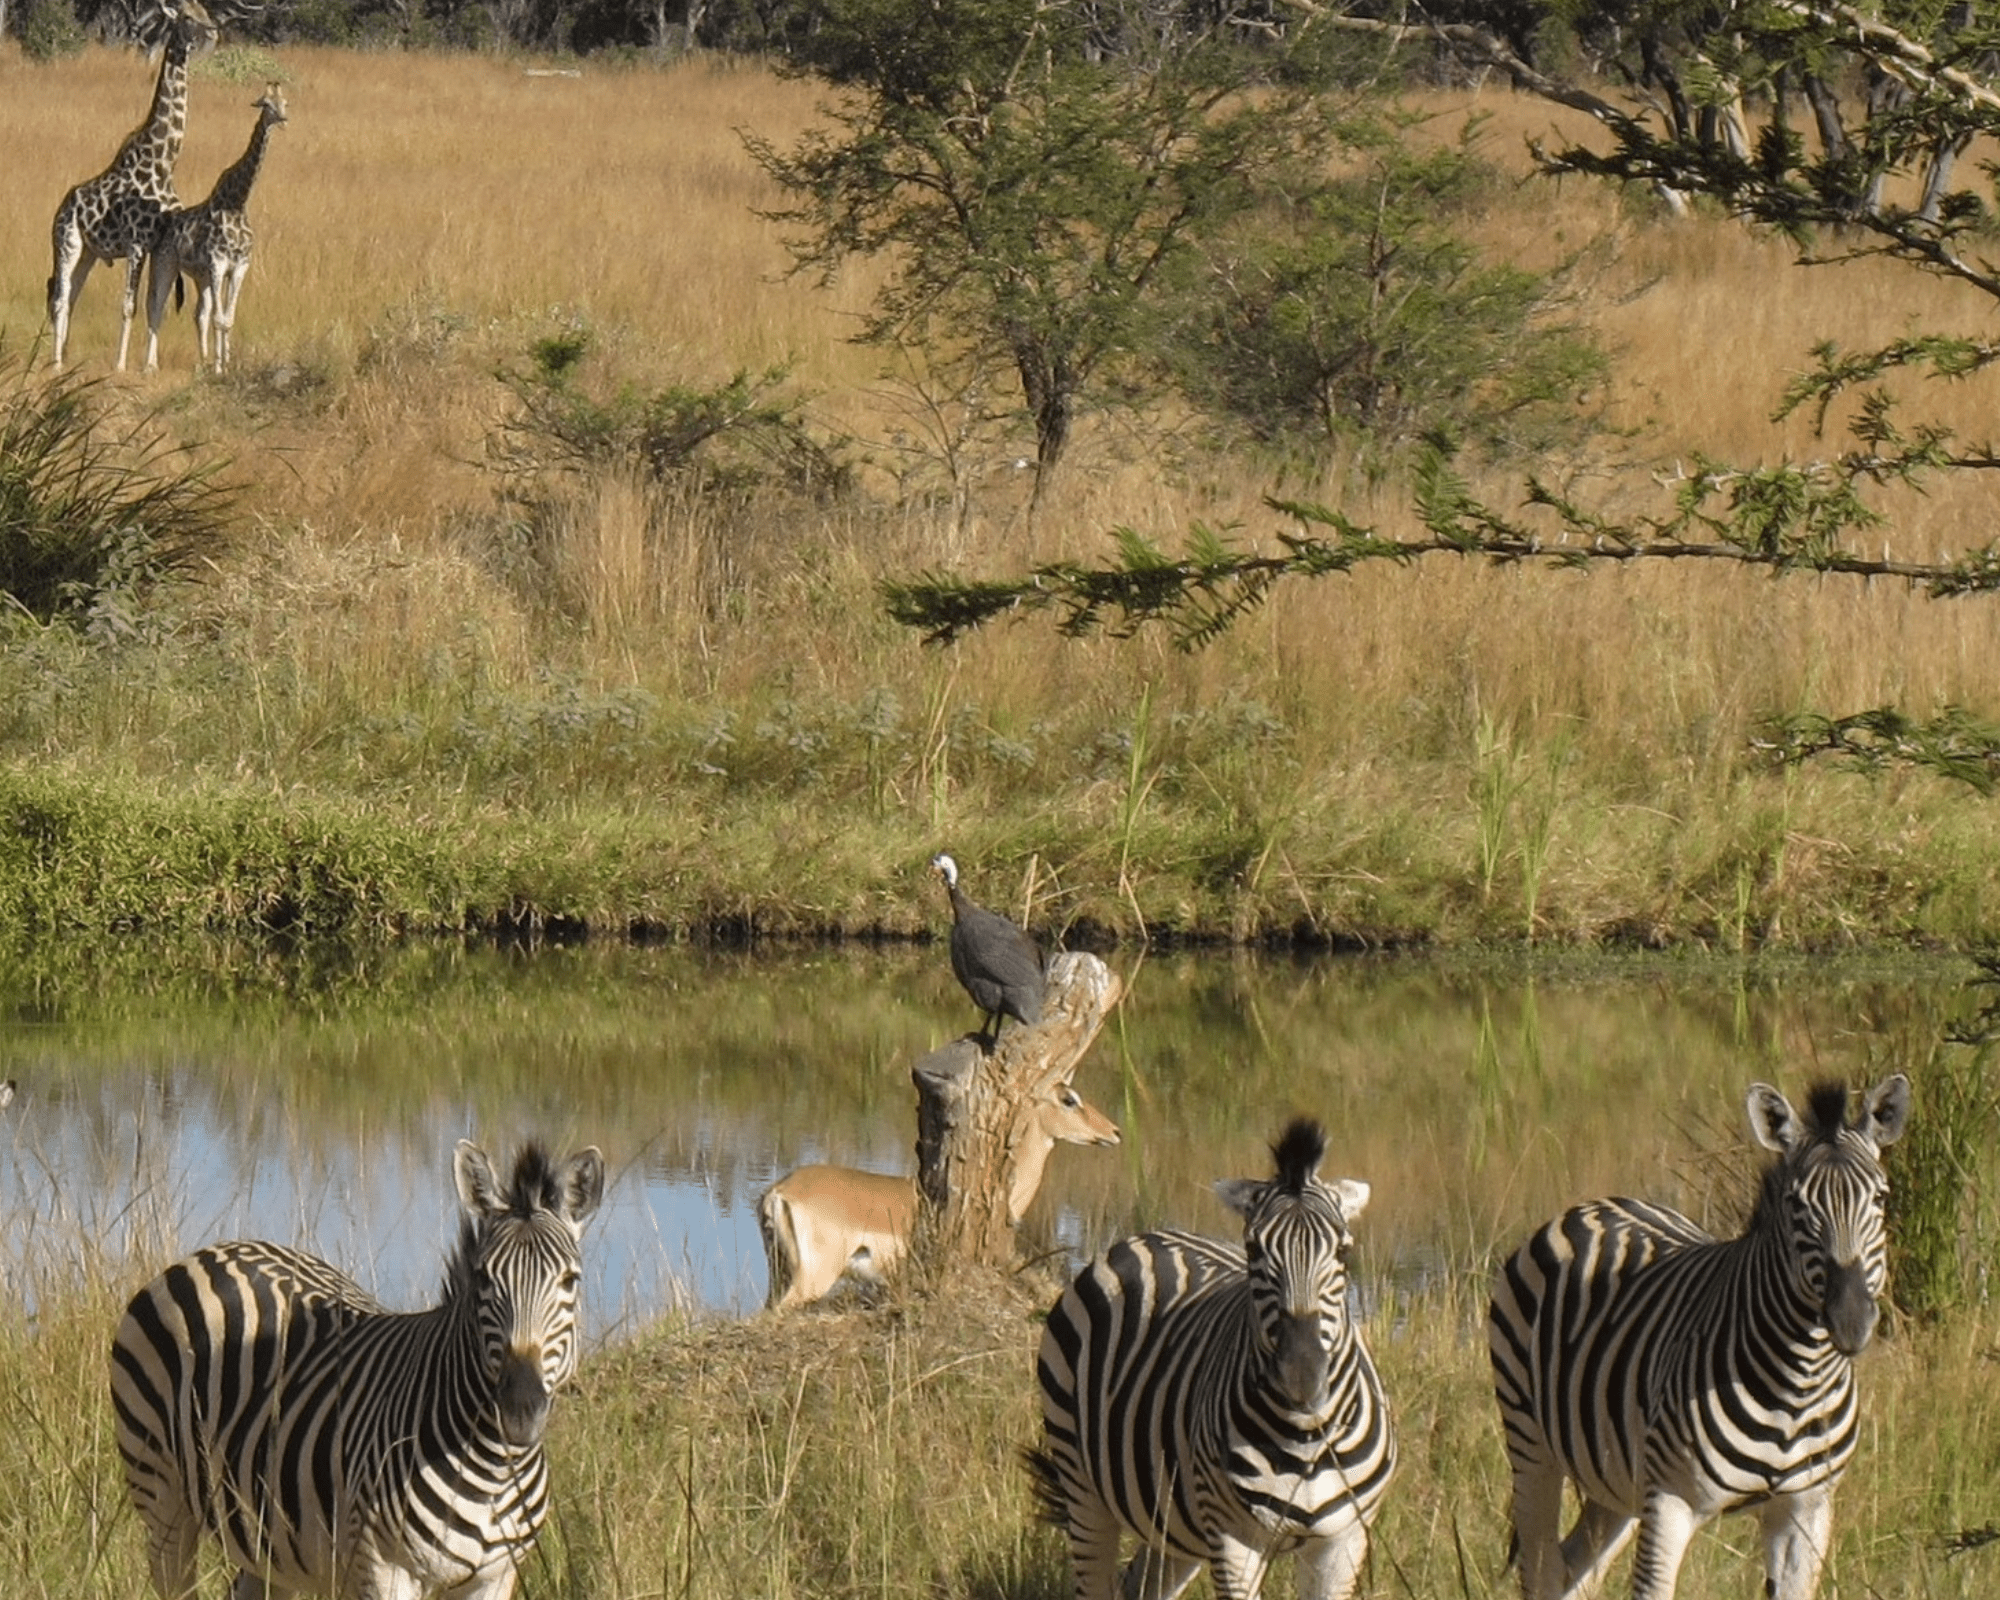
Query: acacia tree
[1818,516]
[1029,169]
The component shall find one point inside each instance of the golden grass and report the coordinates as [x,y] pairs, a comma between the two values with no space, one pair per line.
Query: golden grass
[422,219]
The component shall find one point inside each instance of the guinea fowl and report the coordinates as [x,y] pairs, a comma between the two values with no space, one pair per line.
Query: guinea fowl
[1000,966]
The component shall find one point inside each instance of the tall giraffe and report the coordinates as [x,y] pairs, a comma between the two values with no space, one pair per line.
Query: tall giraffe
[118,213]
[211,244]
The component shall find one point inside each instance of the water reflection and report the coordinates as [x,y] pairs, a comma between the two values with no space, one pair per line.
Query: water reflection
[316,1100]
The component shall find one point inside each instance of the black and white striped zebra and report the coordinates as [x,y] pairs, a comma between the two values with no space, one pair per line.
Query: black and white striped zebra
[1217,1403]
[1673,1376]
[337,1448]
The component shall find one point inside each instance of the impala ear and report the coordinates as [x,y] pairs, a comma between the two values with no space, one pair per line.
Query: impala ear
[1773,1123]
[1885,1111]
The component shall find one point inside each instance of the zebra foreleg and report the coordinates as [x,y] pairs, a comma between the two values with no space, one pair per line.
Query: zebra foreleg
[171,1547]
[1237,1568]
[1665,1530]
[1797,1531]
[1601,1532]
[1538,1490]
[1330,1568]
[1093,1544]
[1156,1574]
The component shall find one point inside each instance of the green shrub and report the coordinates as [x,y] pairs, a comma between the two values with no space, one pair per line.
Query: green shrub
[48,29]
[94,511]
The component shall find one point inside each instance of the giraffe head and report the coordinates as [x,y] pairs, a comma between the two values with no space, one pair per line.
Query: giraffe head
[272,104]
[183,28]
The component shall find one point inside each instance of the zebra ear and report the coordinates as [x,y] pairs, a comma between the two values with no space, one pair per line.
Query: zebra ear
[1886,1110]
[478,1190]
[1773,1123]
[1240,1194]
[580,1183]
[1352,1194]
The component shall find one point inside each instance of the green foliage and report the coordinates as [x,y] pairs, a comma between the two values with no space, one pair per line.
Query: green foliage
[731,436]
[1028,198]
[1941,1245]
[94,512]
[49,29]
[1356,309]
[239,63]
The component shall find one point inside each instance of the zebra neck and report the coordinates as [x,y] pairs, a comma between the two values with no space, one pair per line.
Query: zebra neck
[1760,1281]
[460,1418]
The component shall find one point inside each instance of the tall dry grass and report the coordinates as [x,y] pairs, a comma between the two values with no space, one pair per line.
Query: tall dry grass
[422,219]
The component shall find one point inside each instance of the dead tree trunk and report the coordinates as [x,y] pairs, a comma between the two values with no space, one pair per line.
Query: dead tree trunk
[973,1110]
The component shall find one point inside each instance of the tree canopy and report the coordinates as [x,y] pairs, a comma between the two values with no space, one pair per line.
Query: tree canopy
[1706,115]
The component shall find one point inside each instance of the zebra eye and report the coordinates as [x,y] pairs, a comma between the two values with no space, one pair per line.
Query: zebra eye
[569,1280]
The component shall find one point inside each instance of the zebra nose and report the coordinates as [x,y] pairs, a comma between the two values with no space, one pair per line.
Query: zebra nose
[1851,1311]
[1299,1373]
[523,1398]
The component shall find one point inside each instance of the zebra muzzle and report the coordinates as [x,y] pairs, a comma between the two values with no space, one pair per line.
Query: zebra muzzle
[523,1398]
[1851,1311]
[1299,1369]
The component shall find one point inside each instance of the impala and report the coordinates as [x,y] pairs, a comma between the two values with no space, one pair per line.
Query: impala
[819,1223]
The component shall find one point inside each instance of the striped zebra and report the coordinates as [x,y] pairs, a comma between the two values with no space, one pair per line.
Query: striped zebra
[1673,1376]
[1218,1403]
[337,1448]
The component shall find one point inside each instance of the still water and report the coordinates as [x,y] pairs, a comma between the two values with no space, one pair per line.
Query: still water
[316,1100]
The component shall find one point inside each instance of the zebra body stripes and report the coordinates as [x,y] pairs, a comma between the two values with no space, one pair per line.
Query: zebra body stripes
[1672,1376]
[337,1448]
[1218,1403]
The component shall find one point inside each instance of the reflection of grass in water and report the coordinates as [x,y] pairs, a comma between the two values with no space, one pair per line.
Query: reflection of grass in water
[1594,1077]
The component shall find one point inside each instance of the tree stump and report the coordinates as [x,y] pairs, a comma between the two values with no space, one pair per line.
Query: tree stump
[972,1113]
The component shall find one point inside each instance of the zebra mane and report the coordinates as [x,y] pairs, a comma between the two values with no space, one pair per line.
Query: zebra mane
[534,1184]
[533,1187]
[1826,1108]
[1297,1153]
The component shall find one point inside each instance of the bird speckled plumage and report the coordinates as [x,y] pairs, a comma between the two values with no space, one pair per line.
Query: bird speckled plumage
[1000,966]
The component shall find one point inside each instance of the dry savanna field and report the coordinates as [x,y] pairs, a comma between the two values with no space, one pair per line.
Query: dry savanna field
[1447,752]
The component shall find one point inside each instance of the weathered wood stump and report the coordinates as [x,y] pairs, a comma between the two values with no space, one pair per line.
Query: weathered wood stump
[976,1168]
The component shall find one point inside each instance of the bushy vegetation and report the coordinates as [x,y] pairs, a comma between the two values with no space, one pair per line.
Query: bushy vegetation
[94,511]
[646,680]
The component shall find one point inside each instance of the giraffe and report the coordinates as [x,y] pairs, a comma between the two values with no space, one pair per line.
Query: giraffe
[117,214]
[211,244]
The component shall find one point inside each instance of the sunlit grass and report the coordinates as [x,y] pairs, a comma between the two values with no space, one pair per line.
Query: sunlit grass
[704,696]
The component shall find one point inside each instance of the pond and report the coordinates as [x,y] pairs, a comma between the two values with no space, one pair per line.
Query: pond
[315,1099]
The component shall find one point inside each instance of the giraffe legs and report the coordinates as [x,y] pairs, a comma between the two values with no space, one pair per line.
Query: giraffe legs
[135,263]
[162,273]
[228,286]
[73,263]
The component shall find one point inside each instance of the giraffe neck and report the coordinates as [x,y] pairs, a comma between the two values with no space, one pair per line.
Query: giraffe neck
[232,189]
[150,153]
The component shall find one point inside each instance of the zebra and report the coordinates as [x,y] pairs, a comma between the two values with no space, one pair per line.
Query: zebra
[1674,1376]
[334,1447]
[1219,1403]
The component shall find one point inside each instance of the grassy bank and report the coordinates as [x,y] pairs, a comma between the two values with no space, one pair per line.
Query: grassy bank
[875,1454]
[1803,863]
[397,698]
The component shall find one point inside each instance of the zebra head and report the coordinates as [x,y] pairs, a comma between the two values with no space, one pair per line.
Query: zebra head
[1295,1242]
[519,1258]
[1827,1193]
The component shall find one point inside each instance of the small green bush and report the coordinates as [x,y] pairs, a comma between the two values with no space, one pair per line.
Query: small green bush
[94,512]
[48,29]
